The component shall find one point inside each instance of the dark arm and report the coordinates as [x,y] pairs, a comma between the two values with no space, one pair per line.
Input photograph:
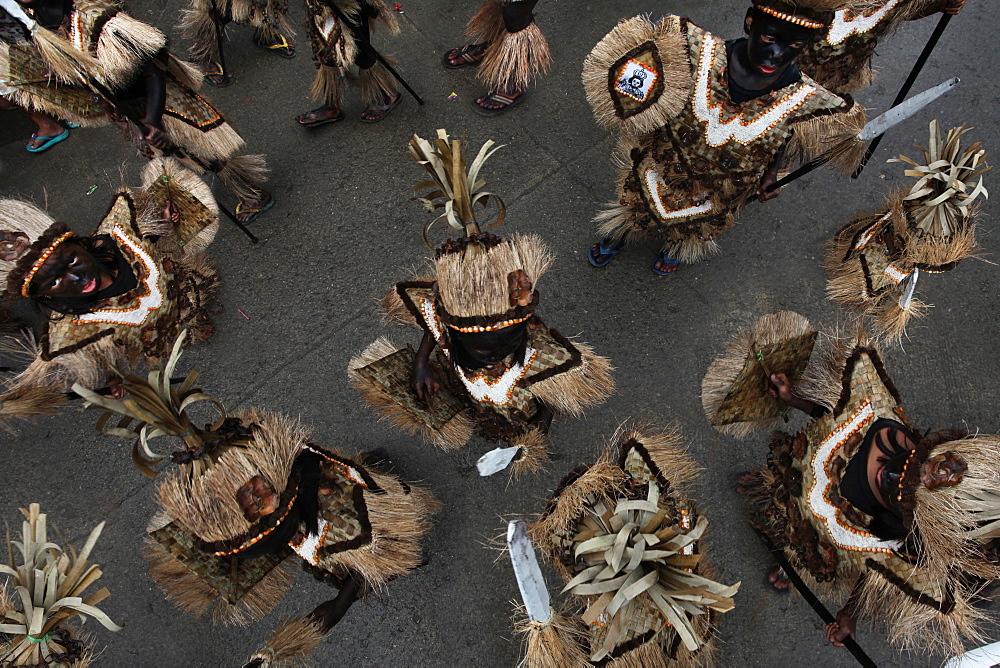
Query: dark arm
[779,388]
[421,378]
[155,84]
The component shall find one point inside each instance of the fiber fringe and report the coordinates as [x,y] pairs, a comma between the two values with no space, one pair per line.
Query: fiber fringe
[123,45]
[204,505]
[198,28]
[890,320]
[63,58]
[243,176]
[646,655]
[451,436]
[915,627]
[823,379]
[557,643]
[724,370]
[486,25]
[187,74]
[672,46]
[833,137]
[22,402]
[328,86]
[589,384]
[376,83]
[514,60]
[533,455]
[480,288]
[291,644]
[89,367]
[189,593]
[665,447]
[399,519]
[219,143]
[845,278]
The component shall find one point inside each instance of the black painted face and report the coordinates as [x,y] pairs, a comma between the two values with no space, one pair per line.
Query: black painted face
[773,44]
[488,348]
[71,272]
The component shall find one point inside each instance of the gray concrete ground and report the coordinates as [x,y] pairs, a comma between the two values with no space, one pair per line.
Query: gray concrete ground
[344,230]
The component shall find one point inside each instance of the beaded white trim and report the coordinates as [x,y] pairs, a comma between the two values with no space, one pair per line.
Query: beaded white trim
[895,274]
[497,391]
[309,547]
[844,537]
[843,27]
[737,128]
[132,316]
[870,233]
[653,181]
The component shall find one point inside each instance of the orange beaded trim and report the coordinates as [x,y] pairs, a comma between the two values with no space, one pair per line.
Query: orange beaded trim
[791,18]
[260,536]
[41,260]
[902,476]
[489,328]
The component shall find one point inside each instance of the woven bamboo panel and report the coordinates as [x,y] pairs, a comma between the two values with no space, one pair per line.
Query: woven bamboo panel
[748,399]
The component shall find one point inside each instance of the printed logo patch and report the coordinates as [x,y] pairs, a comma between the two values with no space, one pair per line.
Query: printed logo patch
[636,80]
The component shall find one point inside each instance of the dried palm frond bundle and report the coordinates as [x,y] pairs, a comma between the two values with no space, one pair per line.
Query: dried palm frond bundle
[49,586]
[628,542]
[941,204]
[290,645]
[734,390]
[558,642]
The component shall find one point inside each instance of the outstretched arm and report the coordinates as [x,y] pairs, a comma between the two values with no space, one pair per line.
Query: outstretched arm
[779,388]
[156,98]
[331,612]
[422,378]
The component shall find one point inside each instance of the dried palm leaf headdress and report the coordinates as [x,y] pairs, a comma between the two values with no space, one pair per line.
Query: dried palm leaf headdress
[49,586]
[484,282]
[28,236]
[941,204]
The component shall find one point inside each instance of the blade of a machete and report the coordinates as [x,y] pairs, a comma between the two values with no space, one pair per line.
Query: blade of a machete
[534,593]
[905,109]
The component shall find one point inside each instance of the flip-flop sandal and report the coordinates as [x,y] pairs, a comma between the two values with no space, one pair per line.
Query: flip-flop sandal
[284,48]
[465,56]
[48,143]
[227,78]
[382,109]
[318,122]
[665,259]
[607,254]
[256,212]
[505,100]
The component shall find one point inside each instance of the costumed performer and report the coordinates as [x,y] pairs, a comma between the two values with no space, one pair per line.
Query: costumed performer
[510,53]
[203,24]
[501,371]
[119,295]
[873,262]
[340,33]
[126,75]
[250,490]
[841,61]
[706,124]
[628,543]
[47,593]
[899,522]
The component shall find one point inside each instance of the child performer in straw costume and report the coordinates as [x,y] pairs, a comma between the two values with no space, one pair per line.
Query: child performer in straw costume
[873,262]
[340,33]
[628,542]
[119,295]
[511,52]
[250,490]
[706,124]
[203,24]
[841,61]
[127,76]
[500,371]
[897,523]
[47,593]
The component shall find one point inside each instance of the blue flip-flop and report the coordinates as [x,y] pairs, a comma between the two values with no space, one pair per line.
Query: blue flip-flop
[48,143]
[608,253]
[256,212]
[665,259]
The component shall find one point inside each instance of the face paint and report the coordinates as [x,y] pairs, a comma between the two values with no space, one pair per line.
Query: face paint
[70,272]
[488,348]
[773,44]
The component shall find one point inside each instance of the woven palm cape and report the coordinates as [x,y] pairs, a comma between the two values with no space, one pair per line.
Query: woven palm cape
[237,481]
[175,285]
[628,543]
[734,390]
[874,262]
[478,283]
[920,588]
[43,593]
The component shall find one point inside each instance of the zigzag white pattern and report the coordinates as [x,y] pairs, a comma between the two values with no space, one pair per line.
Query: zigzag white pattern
[843,27]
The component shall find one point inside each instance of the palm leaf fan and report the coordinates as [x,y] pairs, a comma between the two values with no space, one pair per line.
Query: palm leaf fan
[946,186]
[635,559]
[154,409]
[453,186]
[49,585]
